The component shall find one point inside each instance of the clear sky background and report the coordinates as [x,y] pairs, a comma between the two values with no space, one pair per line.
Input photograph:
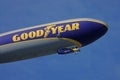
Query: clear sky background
[97,61]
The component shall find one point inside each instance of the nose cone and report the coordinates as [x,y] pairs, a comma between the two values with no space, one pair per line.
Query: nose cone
[90,31]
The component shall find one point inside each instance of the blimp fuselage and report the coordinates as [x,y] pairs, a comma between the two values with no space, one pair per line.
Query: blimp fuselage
[46,39]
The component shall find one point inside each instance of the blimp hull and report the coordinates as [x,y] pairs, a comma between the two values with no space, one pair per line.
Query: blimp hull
[46,39]
[31,49]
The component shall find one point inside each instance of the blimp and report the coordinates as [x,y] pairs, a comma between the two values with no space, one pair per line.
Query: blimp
[62,37]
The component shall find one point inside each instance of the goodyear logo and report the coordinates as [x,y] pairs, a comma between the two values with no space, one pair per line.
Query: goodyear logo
[45,32]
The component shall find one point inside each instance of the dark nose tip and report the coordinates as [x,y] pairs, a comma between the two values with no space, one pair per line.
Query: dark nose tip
[103,26]
[92,30]
[101,29]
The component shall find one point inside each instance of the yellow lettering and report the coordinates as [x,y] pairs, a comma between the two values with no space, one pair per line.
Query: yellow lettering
[24,36]
[46,31]
[60,29]
[39,33]
[16,38]
[67,27]
[54,30]
[32,34]
[75,26]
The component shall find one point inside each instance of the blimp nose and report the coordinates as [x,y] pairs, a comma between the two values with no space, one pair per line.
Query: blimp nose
[91,30]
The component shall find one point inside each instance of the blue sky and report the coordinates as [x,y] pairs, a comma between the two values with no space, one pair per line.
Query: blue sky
[97,61]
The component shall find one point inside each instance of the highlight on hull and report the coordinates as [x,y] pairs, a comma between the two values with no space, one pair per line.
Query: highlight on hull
[61,37]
